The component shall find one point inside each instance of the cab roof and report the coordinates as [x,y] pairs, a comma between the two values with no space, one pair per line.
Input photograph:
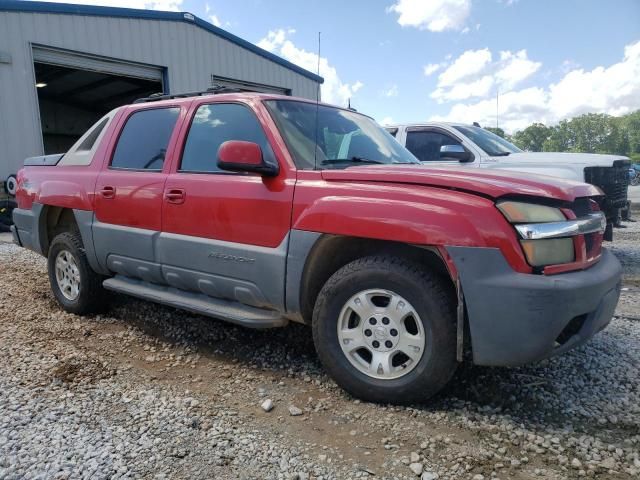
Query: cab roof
[209,96]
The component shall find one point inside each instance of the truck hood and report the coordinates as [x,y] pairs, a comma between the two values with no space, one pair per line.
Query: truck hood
[488,183]
[555,158]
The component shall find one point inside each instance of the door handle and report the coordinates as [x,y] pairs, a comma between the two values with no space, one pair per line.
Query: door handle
[108,192]
[175,195]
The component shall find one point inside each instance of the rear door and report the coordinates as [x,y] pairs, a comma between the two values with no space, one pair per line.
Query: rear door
[226,234]
[129,191]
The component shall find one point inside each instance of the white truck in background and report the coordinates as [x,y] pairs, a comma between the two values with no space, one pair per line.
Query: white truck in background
[470,146]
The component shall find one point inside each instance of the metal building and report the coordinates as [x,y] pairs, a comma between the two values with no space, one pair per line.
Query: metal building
[64,66]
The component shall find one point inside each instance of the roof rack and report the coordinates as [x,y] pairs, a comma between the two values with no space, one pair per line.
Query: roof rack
[213,90]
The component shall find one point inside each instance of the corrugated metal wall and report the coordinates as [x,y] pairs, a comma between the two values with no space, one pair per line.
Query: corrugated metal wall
[191,55]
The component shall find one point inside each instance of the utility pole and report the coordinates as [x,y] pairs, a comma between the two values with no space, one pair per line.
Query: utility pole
[497,95]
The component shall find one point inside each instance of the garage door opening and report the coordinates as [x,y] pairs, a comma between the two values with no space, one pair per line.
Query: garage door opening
[72,99]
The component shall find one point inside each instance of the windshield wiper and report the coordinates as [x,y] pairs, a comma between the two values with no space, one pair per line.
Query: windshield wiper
[501,154]
[334,161]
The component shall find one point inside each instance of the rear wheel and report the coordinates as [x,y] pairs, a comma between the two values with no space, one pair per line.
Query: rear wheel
[385,330]
[76,287]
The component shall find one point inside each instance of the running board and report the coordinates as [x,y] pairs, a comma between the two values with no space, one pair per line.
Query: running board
[229,311]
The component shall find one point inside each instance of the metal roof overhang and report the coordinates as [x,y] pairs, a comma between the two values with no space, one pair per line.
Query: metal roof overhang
[186,17]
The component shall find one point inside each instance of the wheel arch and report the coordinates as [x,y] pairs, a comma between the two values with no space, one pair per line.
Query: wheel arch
[53,220]
[328,253]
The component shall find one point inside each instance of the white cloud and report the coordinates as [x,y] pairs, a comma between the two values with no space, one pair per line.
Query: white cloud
[392,91]
[614,90]
[333,89]
[513,68]
[569,65]
[474,74]
[276,39]
[387,121]
[516,110]
[212,17]
[461,91]
[431,68]
[166,5]
[433,15]
[470,63]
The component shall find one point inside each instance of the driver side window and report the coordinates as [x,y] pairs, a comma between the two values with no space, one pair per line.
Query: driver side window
[425,145]
[215,124]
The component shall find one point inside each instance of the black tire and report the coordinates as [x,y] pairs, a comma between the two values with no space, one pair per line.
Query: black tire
[91,297]
[11,185]
[435,306]
[6,212]
[5,219]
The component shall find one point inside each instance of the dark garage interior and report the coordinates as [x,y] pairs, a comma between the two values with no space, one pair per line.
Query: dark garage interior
[71,100]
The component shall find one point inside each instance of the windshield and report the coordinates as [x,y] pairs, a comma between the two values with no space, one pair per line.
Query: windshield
[344,138]
[491,143]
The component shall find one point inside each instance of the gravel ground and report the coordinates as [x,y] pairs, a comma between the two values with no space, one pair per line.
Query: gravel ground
[151,392]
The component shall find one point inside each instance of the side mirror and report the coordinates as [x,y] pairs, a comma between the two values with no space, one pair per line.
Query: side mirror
[455,152]
[239,156]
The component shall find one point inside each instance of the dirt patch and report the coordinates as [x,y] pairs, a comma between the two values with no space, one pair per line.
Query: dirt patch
[80,370]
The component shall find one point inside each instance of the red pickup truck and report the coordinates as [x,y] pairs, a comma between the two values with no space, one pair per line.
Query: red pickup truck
[262,209]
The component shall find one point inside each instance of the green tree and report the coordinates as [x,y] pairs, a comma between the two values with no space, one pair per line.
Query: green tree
[594,133]
[532,138]
[630,128]
[498,131]
[589,133]
[560,139]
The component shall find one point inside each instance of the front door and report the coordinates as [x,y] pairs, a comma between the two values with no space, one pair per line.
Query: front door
[129,192]
[226,234]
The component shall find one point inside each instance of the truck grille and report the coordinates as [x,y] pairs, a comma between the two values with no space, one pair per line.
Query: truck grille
[613,181]
[592,241]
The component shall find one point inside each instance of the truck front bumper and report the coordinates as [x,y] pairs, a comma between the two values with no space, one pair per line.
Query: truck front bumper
[517,318]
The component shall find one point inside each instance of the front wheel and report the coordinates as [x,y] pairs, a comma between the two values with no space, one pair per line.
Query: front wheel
[385,330]
[76,287]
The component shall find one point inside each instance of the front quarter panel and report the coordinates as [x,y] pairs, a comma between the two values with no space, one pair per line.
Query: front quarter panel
[410,214]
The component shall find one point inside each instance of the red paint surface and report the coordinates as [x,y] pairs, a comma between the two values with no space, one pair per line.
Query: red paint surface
[409,204]
[243,153]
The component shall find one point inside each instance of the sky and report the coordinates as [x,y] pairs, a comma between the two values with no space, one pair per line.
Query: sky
[404,61]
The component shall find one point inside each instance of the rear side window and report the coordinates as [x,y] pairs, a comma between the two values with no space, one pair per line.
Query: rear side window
[215,124]
[143,142]
[90,140]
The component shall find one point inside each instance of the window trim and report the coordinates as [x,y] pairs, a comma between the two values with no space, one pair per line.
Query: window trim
[125,120]
[442,131]
[393,131]
[185,137]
